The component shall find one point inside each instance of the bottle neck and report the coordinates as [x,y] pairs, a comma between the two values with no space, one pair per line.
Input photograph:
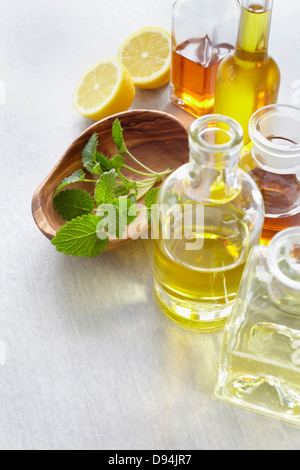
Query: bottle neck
[254,30]
[215,144]
[212,182]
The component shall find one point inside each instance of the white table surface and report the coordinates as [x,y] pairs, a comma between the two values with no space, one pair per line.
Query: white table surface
[91,363]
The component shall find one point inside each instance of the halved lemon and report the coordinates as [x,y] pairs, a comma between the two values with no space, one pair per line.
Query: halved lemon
[106,88]
[147,56]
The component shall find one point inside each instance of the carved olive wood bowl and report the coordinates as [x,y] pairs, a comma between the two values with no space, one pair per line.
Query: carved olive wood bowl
[157,139]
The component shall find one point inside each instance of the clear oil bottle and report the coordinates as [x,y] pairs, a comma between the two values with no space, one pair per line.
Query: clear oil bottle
[209,215]
[249,78]
[260,362]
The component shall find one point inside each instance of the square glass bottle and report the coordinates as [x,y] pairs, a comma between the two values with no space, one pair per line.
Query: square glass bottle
[260,363]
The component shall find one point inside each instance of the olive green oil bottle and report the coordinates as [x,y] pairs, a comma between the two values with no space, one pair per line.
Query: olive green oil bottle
[210,214]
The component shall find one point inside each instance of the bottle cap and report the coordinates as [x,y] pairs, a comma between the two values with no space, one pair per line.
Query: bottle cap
[284,258]
[275,133]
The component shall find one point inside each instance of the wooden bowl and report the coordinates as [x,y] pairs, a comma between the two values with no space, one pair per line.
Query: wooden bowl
[157,139]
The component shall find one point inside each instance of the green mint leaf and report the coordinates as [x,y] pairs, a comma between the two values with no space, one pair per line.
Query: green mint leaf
[117,135]
[117,216]
[135,188]
[122,190]
[132,215]
[79,237]
[109,216]
[97,170]
[118,162]
[73,203]
[89,167]
[149,200]
[105,188]
[123,206]
[122,211]
[104,162]
[78,175]
[128,183]
[89,153]
[123,178]
[151,197]
[132,198]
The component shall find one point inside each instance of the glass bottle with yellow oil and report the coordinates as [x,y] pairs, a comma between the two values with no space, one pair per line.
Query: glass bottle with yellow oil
[209,214]
[272,159]
[203,33]
[249,78]
[260,361]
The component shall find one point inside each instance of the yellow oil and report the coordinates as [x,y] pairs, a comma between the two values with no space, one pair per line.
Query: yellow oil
[270,387]
[249,78]
[197,288]
[260,366]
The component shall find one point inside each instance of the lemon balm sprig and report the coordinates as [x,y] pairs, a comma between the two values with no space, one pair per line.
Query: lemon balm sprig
[118,138]
[80,208]
[98,163]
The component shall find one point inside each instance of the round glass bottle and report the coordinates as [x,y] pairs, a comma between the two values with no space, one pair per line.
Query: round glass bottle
[273,160]
[260,362]
[209,214]
[249,78]
[203,33]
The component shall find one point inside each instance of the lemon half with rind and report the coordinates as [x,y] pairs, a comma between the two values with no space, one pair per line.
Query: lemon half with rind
[105,89]
[147,56]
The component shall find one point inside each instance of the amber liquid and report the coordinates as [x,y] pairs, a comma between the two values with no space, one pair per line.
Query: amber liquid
[249,79]
[194,68]
[281,195]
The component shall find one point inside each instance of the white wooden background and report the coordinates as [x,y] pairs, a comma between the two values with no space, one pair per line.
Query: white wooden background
[90,361]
